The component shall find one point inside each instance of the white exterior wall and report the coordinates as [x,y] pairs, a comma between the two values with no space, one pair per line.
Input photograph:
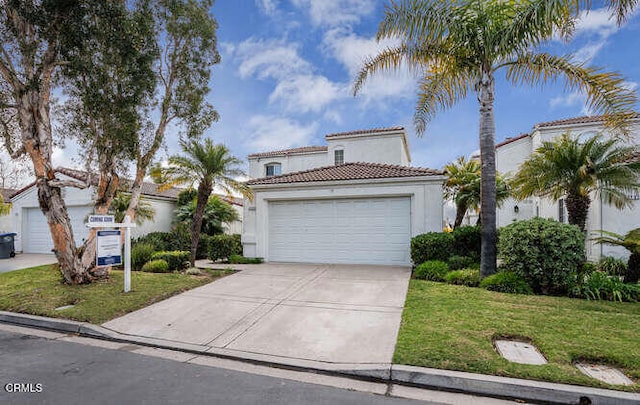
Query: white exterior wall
[425,194]
[235,226]
[387,149]
[291,163]
[162,221]
[6,222]
[508,160]
[84,198]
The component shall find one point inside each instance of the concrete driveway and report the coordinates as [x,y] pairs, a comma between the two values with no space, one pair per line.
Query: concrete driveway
[25,260]
[327,313]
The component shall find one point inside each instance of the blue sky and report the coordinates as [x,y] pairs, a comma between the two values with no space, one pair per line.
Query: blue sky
[288,66]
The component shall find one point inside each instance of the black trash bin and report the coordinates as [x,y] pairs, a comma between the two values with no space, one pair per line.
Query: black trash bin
[7,247]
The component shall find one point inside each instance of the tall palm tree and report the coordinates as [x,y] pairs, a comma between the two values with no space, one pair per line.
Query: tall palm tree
[576,169]
[208,165]
[458,47]
[631,242]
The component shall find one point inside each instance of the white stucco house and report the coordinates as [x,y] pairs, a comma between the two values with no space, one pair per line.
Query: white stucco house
[511,153]
[355,200]
[6,223]
[33,236]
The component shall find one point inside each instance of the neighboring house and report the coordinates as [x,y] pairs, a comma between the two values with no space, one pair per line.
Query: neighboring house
[6,221]
[356,200]
[30,224]
[234,227]
[511,153]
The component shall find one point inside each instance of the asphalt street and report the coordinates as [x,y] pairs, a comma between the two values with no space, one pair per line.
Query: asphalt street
[58,372]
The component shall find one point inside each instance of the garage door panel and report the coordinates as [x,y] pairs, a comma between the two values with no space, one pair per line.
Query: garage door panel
[37,236]
[369,231]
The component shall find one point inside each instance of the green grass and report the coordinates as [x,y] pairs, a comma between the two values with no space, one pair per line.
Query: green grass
[453,327]
[39,290]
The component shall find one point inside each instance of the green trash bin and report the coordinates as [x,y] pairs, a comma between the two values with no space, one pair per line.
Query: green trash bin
[7,246]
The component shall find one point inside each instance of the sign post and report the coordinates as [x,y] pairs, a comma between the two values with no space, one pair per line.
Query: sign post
[108,245]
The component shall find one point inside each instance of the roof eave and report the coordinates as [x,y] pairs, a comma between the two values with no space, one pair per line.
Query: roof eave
[405,179]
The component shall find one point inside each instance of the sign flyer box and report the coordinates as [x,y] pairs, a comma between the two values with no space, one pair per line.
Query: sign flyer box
[109,248]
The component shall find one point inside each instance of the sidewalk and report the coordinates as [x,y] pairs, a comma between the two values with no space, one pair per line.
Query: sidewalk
[445,380]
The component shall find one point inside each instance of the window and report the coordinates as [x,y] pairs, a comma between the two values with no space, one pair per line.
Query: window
[338,156]
[273,169]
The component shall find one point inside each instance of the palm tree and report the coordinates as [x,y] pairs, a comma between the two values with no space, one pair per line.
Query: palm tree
[463,187]
[120,204]
[631,242]
[575,169]
[208,165]
[458,47]
[216,213]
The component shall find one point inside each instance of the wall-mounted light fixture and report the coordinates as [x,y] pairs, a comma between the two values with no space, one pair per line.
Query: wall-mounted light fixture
[516,209]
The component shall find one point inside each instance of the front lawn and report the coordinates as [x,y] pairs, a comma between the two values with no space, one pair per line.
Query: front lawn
[453,327]
[38,291]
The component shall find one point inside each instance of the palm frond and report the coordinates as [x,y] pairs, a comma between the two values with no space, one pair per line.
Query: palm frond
[605,91]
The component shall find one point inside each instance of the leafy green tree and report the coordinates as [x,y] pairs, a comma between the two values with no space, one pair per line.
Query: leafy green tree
[463,187]
[631,242]
[186,36]
[216,213]
[577,169]
[42,43]
[119,206]
[208,165]
[459,47]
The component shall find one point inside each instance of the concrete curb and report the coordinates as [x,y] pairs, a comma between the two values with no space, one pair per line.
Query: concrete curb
[444,380]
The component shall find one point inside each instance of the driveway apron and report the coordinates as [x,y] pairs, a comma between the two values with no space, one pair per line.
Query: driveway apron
[327,313]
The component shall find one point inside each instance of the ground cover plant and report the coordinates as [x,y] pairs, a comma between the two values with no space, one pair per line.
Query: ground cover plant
[453,327]
[39,290]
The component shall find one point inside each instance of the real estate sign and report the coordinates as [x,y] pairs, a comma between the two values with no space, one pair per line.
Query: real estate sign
[109,247]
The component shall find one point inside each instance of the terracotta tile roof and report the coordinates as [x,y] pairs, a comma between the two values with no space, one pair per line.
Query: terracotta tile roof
[286,152]
[148,189]
[513,139]
[572,121]
[348,171]
[366,131]
[7,193]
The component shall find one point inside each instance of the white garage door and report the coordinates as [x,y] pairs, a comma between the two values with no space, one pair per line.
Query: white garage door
[364,230]
[36,237]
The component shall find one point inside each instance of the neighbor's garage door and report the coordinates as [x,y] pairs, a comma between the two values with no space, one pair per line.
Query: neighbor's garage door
[36,236]
[367,231]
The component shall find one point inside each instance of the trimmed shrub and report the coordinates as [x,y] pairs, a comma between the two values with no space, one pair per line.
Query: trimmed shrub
[460,262]
[612,266]
[506,282]
[156,266]
[466,241]
[221,247]
[633,269]
[176,260]
[600,286]
[203,246]
[431,246]
[140,254]
[237,259]
[237,244]
[433,270]
[159,240]
[468,277]
[546,253]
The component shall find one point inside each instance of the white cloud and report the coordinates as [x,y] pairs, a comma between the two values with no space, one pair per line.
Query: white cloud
[269,7]
[306,93]
[274,133]
[589,51]
[334,13]
[570,100]
[351,50]
[269,59]
[630,85]
[599,22]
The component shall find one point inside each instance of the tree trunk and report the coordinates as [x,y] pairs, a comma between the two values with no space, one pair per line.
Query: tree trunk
[204,191]
[578,209]
[461,210]
[37,139]
[488,250]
